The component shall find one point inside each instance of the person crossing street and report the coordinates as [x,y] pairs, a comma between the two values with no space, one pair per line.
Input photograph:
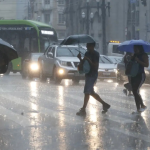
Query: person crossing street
[92,57]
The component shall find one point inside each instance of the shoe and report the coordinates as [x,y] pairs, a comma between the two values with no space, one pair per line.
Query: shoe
[106,107]
[125,91]
[81,112]
[143,109]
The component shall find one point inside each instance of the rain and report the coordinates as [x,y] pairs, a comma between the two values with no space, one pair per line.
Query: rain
[74,74]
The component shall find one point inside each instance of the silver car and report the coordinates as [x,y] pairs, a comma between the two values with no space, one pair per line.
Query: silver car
[60,62]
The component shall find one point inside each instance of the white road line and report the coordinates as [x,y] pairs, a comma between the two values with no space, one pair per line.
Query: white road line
[40,109]
[19,119]
[135,135]
[20,101]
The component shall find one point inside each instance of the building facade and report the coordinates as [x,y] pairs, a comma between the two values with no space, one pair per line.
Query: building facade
[86,16]
[16,9]
[8,9]
[51,12]
[138,21]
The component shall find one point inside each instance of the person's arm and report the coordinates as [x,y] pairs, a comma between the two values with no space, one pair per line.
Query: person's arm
[79,56]
[144,63]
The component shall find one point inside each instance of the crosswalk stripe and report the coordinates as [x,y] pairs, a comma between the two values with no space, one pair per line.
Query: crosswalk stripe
[21,120]
[43,110]
[135,135]
[20,101]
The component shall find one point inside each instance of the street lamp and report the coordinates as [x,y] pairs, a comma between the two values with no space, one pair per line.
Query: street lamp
[91,18]
[83,15]
[98,6]
[87,18]
[83,18]
[103,8]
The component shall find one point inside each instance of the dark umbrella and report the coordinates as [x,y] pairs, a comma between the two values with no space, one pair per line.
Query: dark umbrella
[78,39]
[7,51]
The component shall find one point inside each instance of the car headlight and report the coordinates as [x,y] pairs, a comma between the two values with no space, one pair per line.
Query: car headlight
[34,67]
[63,63]
[116,71]
[60,71]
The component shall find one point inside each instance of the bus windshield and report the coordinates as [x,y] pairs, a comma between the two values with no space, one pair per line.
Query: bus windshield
[46,38]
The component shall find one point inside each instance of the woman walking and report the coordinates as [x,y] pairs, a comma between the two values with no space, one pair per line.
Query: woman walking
[136,82]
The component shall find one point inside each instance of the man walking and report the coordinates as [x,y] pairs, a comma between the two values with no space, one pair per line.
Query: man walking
[92,57]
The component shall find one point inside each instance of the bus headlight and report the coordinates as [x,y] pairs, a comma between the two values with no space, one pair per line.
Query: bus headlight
[34,67]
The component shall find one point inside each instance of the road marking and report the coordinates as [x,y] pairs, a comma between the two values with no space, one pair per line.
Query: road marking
[135,135]
[17,118]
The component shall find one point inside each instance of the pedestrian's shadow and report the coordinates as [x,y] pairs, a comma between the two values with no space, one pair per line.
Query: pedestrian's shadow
[141,125]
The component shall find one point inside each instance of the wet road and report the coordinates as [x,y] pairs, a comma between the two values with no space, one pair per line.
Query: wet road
[41,116]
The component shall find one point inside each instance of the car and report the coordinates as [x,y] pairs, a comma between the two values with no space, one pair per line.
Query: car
[61,62]
[121,77]
[107,69]
[30,67]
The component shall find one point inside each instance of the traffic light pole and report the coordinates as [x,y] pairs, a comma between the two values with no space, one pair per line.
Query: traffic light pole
[104,26]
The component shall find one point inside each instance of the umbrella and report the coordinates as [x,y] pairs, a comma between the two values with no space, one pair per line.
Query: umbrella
[7,51]
[78,39]
[128,46]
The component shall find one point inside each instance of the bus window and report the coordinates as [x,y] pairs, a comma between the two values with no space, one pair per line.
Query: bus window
[27,44]
[34,45]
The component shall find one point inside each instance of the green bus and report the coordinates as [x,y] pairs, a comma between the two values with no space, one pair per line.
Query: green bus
[26,36]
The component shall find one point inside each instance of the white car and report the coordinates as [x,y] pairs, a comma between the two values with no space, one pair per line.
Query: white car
[107,69]
[60,62]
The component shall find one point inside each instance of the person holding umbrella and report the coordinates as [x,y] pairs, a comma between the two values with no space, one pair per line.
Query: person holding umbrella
[136,82]
[137,73]
[92,57]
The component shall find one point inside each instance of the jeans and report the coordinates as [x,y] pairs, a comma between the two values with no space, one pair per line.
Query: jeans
[136,83]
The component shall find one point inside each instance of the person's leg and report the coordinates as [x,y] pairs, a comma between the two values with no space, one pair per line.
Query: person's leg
[87,91]
[136,83]
[86,99]
[97,97]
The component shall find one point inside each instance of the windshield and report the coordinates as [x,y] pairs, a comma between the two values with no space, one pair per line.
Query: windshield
[69,51]
[105,60]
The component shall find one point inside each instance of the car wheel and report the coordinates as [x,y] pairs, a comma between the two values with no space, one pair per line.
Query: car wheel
[42,76]
[55,77]
[76,81]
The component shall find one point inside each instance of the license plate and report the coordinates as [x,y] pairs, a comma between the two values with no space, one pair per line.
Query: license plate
[106,73]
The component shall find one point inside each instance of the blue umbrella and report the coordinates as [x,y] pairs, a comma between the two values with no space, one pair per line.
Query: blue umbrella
[128,46]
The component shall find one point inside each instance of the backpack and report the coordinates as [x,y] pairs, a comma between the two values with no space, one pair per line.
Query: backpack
[132,69]
[84,67]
